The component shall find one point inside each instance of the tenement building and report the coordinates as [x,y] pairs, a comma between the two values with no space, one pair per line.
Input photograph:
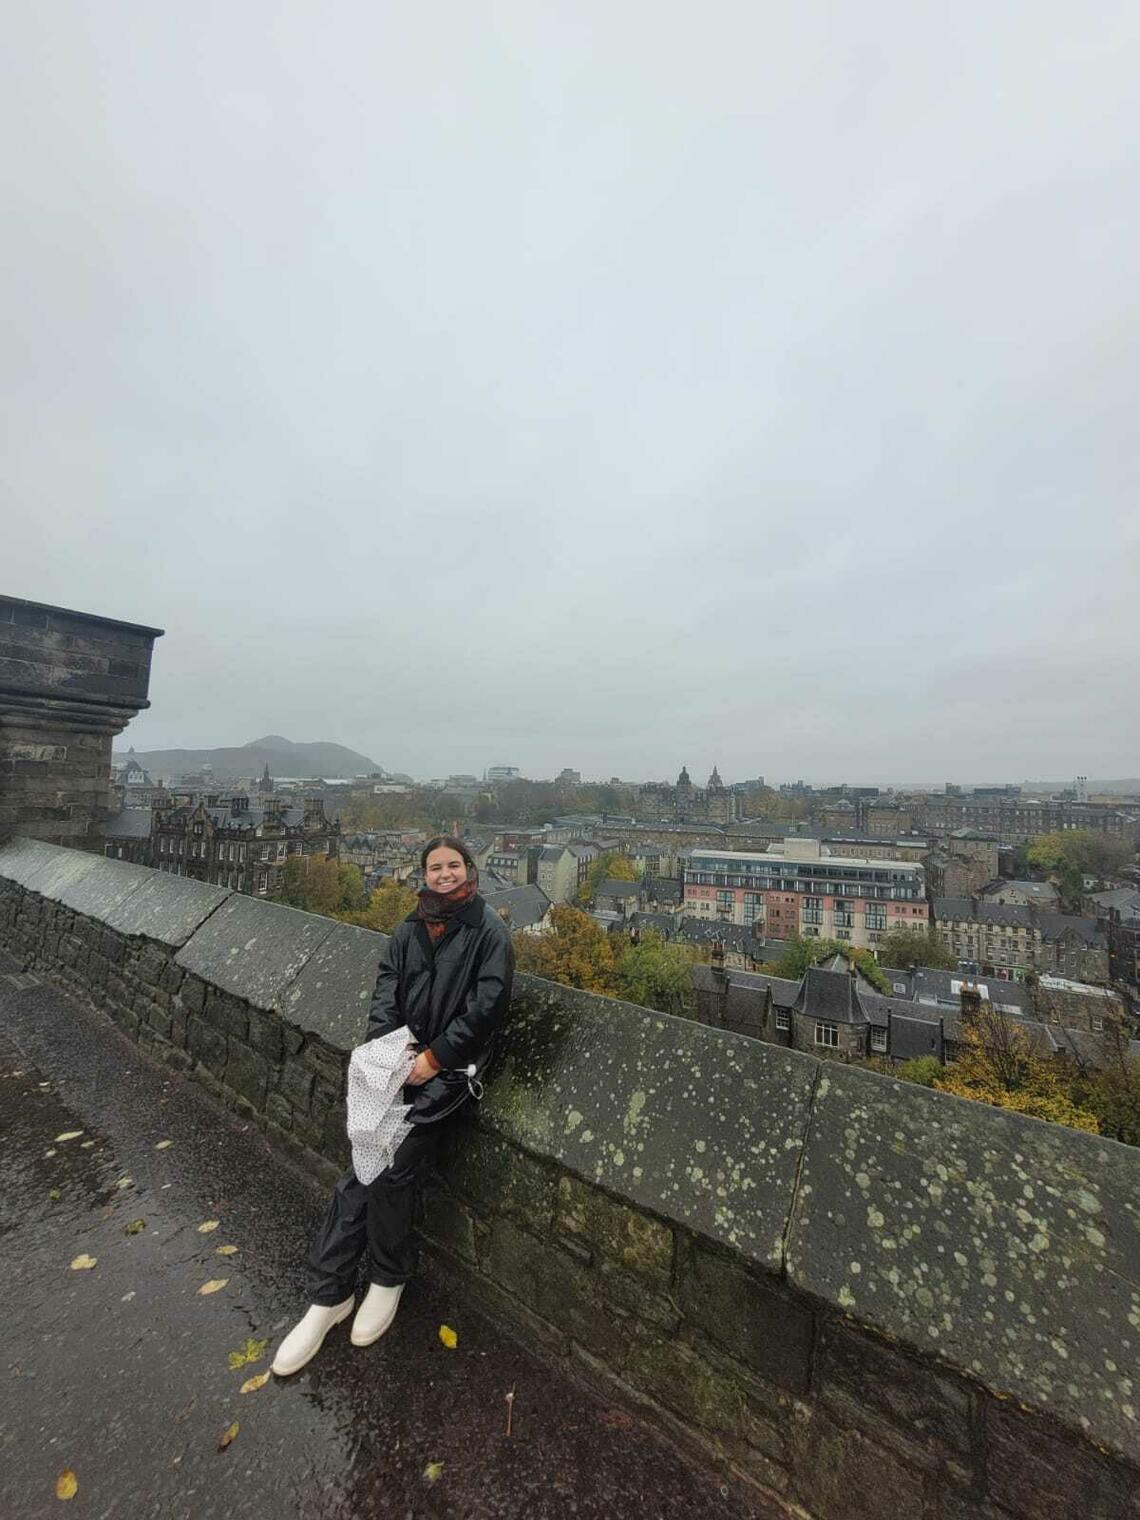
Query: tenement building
[803,891]
[1011,939]
[234,844]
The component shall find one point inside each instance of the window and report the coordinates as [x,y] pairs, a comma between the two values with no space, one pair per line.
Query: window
[878,1039]
[826,1034]
[783,1018]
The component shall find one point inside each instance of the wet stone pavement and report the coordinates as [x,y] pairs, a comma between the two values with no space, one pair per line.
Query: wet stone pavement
[121,1374]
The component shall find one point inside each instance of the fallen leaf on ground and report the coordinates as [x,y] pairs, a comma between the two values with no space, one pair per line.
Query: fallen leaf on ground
[85,1145]
[227,1436]
[448,1336]
[66,1485]
[83,1263]
[213,1285]
[616,1419]
[207,1225]
[126,1298]
[68,1134]
[135,1226]
[124,1182]
[164,1145]
[54,1194]
[252,1351]
[251,1385]
[224,1250]
[433,1471]
[49,1153]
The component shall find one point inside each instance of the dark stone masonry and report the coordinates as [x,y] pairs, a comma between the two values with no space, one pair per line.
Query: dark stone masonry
[864,1297]
[69,682]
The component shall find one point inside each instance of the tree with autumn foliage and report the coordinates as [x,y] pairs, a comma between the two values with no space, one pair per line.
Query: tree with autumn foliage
[576,952]
[915,947]
[320,884]
[607,867]
[997,1064]
[389,903]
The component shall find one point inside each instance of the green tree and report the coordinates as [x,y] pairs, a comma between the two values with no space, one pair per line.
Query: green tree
[657,975]
[577,952]
[1070,854]
[800,953]
[915,947]
[925,1070]
[319,884]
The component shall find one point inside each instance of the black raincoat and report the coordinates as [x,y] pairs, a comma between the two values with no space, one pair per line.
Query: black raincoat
[452,995]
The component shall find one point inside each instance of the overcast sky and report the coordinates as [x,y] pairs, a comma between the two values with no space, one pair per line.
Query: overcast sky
[611,385]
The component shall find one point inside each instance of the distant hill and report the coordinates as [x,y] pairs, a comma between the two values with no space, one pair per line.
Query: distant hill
[283,757]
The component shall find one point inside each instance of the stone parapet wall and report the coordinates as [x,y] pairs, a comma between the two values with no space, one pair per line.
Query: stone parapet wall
[866,1298]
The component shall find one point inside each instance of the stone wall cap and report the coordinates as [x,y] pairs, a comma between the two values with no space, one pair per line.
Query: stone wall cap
[83,617]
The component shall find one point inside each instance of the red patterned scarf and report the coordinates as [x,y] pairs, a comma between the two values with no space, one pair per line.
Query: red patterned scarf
[437,908]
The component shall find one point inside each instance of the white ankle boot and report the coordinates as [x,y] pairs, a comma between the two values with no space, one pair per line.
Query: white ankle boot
[304,1340]
[376,1313]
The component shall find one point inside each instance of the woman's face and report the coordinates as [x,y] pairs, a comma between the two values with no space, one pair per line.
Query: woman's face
[445,869]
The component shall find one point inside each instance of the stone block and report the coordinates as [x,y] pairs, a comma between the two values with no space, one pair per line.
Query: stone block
[247,1073]
[206,1045]
[692,1124]
[449,1224]
[621,1235]
[553,1287]
[1004,1245]
[193,994]
[278,1110]
[635,1296]
[895,1397]
[165,908]
[839,1474]
[265,1032]
[295,1084]
[332,992]
[755,1320]
[226,1014]
[159,1019]
[1038,1472]
[675,1375]
[253,949]
[498,1178]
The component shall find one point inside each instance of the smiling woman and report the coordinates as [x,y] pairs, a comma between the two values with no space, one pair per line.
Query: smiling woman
[446,975]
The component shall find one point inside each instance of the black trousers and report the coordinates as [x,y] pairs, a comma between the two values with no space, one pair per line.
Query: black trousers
[376,1221]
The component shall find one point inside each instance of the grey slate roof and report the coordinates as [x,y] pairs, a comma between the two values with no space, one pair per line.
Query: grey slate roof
[1036,891]
[527,905]
[829,995]
[619,889]
[130,823]
[666,889]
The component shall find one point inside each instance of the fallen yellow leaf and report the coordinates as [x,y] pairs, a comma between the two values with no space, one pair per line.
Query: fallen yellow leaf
[83,1263]
[66,1485]
[213,1285]
[433,1471]
[227,1436]
[124,1182]
[251,1385]
[85,1145]
[252,1351]
[68,1134]
[55,1194]
[135,1226]
[207,1225]
[164,1145]
[224,1250]
[50,1152]
[448,1336]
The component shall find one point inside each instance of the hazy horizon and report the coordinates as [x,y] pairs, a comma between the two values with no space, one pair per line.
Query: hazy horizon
[583,387]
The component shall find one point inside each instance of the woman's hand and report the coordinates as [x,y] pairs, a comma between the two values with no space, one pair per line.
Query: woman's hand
[421,1071]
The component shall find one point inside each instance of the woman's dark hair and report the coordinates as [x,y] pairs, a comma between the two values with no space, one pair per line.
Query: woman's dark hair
[446,841]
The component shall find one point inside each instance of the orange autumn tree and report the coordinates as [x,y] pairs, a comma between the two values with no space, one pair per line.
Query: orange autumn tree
[577,952]
[997,1064]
